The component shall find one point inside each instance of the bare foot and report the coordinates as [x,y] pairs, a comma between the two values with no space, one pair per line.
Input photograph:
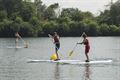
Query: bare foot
[56,59]
[86,60]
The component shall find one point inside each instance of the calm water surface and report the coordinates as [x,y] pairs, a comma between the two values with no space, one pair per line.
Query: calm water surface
[14,66]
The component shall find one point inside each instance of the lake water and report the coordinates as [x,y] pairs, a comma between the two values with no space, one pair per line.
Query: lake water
[14,65]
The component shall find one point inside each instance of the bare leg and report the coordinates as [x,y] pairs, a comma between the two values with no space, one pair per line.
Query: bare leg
[87,57]
[16,42]
[86,53]
[57,54]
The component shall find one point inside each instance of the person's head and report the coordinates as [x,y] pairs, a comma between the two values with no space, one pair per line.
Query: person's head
[84,35]
[55,33]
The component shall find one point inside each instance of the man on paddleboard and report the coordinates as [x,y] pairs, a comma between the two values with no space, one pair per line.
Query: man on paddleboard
[87,46]
[56,39]
[17,37]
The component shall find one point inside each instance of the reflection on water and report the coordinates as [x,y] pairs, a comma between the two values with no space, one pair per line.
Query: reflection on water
[57,73]
[87,72]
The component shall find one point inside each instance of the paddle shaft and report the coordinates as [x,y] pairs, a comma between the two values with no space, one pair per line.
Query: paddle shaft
[74,47]
[22,39]
[26,45]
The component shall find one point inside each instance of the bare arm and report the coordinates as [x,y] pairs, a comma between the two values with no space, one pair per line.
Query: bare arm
[50,35]
[82,42]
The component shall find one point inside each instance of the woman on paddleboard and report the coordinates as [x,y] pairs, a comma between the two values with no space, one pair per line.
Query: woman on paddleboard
[87,46]
[56,40]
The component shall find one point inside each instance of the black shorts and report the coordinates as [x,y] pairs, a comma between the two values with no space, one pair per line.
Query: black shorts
[57,46]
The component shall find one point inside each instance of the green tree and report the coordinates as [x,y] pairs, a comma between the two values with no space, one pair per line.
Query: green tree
[27,11]
[104,29]
[35,25]
[73,14]
[49,13]
[16,24]
[118,31]
[76,28]
[6,28]
[49,27]
[3,15]
[63,29]
[26,29]
[112,16]
[10,6]
[113,30]
[115,13]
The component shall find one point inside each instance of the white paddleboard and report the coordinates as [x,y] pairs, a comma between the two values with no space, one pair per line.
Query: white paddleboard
[71,61]
[15,47]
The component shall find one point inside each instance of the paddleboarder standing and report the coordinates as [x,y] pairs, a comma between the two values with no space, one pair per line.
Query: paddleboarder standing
[87,46]
[56,40]
[17,37]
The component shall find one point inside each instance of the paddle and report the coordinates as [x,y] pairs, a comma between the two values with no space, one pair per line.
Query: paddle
[25,43]
[50,37]
[71,52]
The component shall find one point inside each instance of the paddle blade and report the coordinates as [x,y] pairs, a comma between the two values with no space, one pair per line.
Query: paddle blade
[26,45]
[70,54]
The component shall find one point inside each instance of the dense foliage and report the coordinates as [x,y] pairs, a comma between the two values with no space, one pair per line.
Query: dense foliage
[36,19]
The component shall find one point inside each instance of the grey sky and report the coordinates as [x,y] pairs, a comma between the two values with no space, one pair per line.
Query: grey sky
[93,6]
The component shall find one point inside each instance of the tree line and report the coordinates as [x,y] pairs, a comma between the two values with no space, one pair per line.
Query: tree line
[34,19]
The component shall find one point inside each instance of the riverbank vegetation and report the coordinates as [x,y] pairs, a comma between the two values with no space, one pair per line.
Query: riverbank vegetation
[34,19]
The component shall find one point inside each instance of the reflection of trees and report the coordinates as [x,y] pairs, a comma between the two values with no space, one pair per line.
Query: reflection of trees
[57,73]
[87,72]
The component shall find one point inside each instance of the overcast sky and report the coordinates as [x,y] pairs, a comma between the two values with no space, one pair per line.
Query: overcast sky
[93,6]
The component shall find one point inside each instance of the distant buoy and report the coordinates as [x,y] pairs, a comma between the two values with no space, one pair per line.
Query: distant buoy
[53,57]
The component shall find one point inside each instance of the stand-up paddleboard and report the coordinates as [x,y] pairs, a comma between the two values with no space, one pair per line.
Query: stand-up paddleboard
[70,61]
[15,47]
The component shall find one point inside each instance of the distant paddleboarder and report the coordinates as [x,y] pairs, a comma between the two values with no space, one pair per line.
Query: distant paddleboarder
[87,46]
[17,37]
[56,40]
